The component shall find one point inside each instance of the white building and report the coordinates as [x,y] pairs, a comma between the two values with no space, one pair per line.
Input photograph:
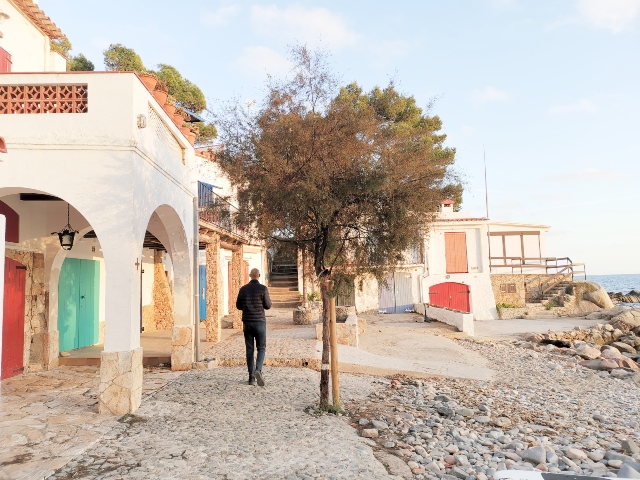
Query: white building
[100,148]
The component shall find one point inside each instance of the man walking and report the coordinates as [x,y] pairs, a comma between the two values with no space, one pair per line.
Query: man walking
[253,300]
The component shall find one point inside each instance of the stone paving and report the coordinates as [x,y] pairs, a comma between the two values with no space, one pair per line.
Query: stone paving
[287,344]
[209,424]
[48,418]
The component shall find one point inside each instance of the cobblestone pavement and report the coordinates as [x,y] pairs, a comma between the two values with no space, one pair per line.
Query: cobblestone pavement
[48,418]
[287,344]
[209,424]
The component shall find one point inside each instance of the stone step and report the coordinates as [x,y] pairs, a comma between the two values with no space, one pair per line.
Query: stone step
[282,289]
[286,304]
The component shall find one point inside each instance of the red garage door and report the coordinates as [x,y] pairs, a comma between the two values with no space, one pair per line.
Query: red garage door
[450,295]
[13,319]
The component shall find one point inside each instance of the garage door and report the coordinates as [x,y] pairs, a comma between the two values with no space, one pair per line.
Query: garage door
[450,295]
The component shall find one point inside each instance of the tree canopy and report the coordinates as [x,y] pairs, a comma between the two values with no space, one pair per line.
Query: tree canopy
[80,63]
[118,58]
[187,94]
[351,177]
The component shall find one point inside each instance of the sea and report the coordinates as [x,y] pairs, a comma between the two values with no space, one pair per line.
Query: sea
[618,283]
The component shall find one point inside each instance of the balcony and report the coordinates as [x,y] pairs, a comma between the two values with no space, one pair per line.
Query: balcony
[215,210]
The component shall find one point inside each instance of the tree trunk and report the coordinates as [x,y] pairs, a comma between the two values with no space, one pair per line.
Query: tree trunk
[324,371]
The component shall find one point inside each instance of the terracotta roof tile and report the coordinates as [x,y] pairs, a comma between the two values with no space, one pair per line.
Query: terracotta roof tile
[38,17]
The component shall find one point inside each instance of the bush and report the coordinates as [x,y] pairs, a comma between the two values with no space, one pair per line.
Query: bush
[313,297]
[500,306]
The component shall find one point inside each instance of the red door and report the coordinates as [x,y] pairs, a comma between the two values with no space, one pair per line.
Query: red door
[13,324]
[450,295]
[5,61]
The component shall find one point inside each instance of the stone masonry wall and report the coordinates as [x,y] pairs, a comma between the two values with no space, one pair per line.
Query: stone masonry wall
[162,295]
[36,309]
[214,290]
[519,280]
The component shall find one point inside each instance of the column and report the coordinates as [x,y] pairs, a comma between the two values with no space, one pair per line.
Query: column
[120,389]
[236,282]
[214,284]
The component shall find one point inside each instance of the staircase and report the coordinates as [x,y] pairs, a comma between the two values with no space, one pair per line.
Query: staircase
[283,286]
[545,287]
[558,289]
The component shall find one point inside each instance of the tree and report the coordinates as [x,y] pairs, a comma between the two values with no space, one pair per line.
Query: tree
[62,46]
[118,58]
[80,63]
[187,94]
[350,177]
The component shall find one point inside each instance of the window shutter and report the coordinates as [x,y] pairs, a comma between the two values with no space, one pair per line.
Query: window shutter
[5,61]
[456,252]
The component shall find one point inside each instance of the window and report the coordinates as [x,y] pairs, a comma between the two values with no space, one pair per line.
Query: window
[508,288]
[455,246]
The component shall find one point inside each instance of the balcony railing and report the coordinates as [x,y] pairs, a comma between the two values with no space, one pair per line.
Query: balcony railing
[218,211]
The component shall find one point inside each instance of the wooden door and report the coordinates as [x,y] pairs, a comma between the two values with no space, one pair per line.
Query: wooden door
[450,295]
[203,292]
[455,247]
[15,275]
[78,303]
[5,61]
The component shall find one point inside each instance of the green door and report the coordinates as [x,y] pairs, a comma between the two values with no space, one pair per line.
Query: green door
[78,303]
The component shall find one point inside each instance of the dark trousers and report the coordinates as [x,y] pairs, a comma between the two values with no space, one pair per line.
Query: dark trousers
[255,332]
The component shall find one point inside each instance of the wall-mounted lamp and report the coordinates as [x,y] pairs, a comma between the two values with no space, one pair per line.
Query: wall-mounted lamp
[142,121]
[67,234]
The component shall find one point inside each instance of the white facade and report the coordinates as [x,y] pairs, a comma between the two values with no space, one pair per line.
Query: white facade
[2,233]
[124,168]
[28,45]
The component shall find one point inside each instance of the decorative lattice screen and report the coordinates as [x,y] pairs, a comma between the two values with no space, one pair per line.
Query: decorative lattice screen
[43,99]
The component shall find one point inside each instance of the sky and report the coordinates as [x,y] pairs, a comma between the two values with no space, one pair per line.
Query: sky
[548,90]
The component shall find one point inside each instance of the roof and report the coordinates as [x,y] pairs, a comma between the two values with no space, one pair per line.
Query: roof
[448,201]
[38,18]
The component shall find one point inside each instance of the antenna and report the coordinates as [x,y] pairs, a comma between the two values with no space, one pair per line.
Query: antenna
[486,199]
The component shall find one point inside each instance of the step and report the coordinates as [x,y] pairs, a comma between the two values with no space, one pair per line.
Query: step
[273,289]
[286,304]
[288,276]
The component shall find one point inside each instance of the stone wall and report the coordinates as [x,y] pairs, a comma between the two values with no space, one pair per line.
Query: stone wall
[215,297]
[516,298]
[36,309]
[162,295]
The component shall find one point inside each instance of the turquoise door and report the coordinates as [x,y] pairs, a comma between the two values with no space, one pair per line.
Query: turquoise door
[203,292]
[78,303]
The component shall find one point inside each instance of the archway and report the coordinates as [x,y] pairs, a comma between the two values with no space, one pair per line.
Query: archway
[167,285]
[32,244]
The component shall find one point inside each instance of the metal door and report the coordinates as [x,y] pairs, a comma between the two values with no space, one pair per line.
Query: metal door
[203,292]
[78,303]
[386,296]
[450,295]
[396,297]
[15,275]
[346,296]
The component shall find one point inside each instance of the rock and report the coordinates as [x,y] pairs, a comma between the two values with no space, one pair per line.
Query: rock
[449,460]
[363,421]
[611,353]
[535,455]
[553,458]
[452,449]
[433,467]
[596,455]
[442,398]
[461,460]
[617,456]
[621,373]
[370,432]
[502,422]
[599,364]
[627,320]
[390,444]
[615,463]
[449,412]
[575,454]
[598,295]
[483,419]
[628,363]
[466,412]
[395,466]
[629,446]
[513,456]
[588,352]
[627,472]
[459,473]
[542,467]
[623,347]
[380,425]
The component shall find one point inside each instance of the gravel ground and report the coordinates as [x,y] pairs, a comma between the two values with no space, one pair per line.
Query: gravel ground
[212,425]
[542,412]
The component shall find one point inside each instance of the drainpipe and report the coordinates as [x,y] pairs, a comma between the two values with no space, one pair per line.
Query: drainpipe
[196,278]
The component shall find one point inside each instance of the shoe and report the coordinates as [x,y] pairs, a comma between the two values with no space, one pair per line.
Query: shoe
[260,378]
[252,381]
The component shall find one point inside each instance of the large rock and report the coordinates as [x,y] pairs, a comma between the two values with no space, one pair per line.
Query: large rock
[627,472]
[600,364]
[623,347]
[598,295]
[611,353]
[628,319]
[535,455]
[588,352]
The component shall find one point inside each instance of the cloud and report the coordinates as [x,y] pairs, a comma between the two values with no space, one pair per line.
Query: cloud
[261,60]
[220,16]
[614,15]
[587,175]
[315,26]
[581,106]
[489,94]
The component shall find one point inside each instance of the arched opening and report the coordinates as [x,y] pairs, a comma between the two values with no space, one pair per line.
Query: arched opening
[61,304]
[167,321]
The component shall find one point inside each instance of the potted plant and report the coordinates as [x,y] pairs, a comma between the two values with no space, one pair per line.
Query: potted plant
[161,92]
[149,80]
[194,131]
[170,106]
[313,300]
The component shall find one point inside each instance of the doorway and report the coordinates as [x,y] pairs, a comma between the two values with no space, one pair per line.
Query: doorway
[78,303]
[15,276]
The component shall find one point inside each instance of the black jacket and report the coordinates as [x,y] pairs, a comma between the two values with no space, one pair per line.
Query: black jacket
[253,300]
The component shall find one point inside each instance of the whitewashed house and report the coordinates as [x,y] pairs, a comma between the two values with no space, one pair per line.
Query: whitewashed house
[96,153]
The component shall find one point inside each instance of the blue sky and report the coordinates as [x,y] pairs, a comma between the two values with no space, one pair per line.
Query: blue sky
[550,88]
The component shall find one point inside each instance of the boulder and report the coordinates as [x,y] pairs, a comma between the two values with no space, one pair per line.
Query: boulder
[600,364]
[623,347]
[627,472]
[628,363]
[627,320]
[598,295]
[588,352]
[611,353]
